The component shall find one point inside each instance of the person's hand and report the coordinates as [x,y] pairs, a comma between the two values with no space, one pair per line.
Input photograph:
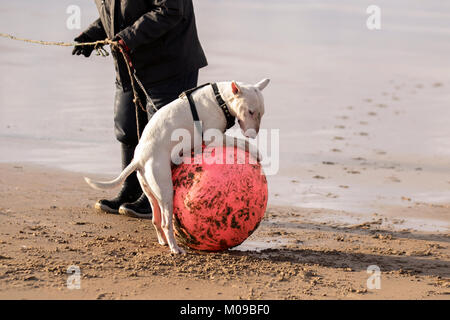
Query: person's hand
[85,50]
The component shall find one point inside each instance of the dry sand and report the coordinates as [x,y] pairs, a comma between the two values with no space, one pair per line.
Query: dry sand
[47,224]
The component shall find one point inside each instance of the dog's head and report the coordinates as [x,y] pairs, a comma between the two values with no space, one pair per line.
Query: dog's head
[248,104]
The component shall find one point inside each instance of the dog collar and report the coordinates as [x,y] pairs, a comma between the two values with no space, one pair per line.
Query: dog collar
[223,105]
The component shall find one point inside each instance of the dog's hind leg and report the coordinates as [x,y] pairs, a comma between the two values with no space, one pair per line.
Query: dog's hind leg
[156,210]
[158,174]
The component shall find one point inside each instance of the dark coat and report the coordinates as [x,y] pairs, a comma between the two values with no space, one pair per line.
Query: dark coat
[161,35]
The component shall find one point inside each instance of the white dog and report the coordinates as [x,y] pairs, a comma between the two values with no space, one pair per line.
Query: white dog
[152,157]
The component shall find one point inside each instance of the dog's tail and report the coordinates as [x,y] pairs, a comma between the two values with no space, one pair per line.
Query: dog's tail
[99,185]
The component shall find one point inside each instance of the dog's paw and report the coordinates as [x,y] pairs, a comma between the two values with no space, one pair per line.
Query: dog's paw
[259,157]
[256,155]
[162,240]
[177,250]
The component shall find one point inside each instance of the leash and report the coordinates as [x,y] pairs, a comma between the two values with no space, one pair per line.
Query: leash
[97,44]
[133,77]
[101,52]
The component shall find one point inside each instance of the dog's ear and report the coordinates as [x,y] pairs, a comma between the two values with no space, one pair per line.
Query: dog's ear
[235,88]
[262,84]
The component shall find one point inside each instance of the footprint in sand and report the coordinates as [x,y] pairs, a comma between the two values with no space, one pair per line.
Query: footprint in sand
[350,108]
[342,117]
[364,134]
[318,177]
[437,84]
[344,187]
[359,159]
[419,86]
[381,105]
[368,100]
[395,98]
[353,172]
[380,152]
[364,123]
[331,195]
[372,114]
[328,163]
[339,127]
[336,150]
[394,179]
[338,138]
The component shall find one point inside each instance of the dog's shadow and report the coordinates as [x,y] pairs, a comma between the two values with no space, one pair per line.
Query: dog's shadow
[358,261]
[355,261]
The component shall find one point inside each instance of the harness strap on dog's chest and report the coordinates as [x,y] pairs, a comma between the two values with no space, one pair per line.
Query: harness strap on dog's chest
[195,116]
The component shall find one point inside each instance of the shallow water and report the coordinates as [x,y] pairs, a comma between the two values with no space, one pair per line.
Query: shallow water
[389,89]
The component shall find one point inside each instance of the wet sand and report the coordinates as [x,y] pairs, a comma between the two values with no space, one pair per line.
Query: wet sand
[47,224]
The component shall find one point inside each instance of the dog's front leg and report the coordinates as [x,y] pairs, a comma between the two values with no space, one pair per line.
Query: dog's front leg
[223,140]
[247,146]
[242,144]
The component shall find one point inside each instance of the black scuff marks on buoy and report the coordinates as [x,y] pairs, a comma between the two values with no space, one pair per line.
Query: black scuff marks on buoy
[244,213]
[225,220]
[234,223]
[213,202]
[183,235]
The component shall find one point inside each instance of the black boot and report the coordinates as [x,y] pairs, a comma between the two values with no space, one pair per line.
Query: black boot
[131,190]
[138,209]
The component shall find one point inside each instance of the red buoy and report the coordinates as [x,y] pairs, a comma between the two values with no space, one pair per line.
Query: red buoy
[219,199]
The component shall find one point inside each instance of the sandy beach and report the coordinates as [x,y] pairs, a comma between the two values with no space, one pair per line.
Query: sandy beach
[48,224]
[364,154]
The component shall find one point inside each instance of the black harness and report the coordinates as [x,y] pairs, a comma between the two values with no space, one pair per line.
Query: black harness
[222,104]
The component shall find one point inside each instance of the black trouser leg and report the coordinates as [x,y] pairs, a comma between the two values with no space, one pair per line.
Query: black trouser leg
[126,133]
[131,184]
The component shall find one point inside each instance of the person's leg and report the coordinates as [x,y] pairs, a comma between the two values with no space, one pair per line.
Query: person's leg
[126,133]
[161,95]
